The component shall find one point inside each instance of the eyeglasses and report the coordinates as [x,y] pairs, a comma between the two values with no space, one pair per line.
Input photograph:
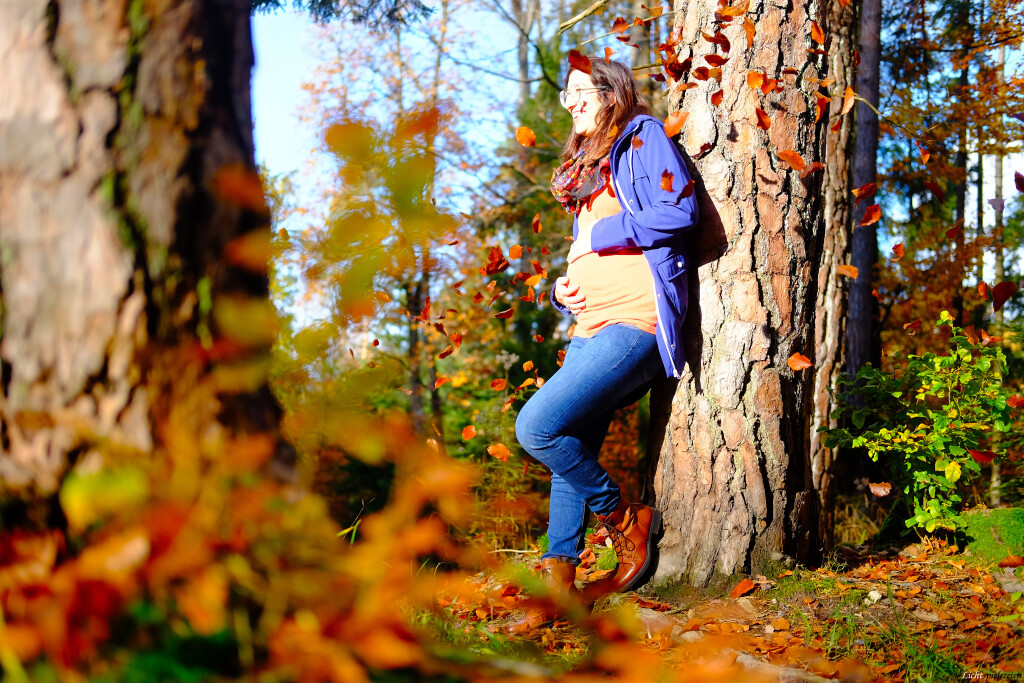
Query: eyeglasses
[571,98]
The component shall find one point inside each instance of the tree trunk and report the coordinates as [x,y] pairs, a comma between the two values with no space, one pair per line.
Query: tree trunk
[863,343]
[732,470]
[119,119]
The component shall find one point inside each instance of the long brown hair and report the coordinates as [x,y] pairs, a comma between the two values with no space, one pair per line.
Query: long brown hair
[621,102]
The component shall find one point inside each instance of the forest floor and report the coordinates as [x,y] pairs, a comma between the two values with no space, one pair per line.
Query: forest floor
[926,612]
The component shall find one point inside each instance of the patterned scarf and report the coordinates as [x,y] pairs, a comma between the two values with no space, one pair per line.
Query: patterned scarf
[573,183]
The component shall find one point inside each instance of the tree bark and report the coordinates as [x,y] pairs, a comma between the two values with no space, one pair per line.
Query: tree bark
[119,120]
[732,470]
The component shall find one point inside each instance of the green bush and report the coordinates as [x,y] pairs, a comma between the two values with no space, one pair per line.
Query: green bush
[934,420]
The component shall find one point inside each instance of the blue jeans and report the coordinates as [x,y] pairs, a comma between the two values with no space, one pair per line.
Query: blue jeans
[564,424]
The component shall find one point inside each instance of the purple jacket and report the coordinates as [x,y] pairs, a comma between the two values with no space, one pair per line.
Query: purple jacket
[655,220]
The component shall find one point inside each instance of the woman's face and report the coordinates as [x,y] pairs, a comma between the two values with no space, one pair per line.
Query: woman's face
[583,108]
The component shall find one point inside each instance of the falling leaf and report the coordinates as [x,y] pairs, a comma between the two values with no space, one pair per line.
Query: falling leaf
[983,457]
[1018,180]
[674,123]
[768,85]
[515,251]
[440,381]
[820,108]
[578,62]
[816,33]
[525,136]
[899,250]
[499,451]
[666,180]
[1002,292]
[748,27]
[527,366]
[468,432]
[716,98]
[936,190]
[742,588]
[848,99]
[535,224]
[816,166]
[878,297]
[715,60]
[498,384]
[1015,401]
[913,327]
[240,185]
[538,338]
[925,154]
[755,79]
[506,314]
[848,270]
[953,232]
[620,25]
[701,73]
[872,215]
[763,122]
[448,350]
[1012,561]
[792,158]
[971,335]
[880,490]
[798,362]
[865,192]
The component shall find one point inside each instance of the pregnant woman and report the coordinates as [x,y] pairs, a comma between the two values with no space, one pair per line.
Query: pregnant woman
[627,187]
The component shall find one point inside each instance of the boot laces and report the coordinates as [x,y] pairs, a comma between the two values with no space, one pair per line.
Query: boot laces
[620,542]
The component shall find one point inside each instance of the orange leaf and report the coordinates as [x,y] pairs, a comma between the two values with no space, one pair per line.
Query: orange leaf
[848,99]
[899,251]
[578,62]
[755,79]
[535,223]
[792,158]
[983,289]
[880,490]
[742,588]
[666,180]
[763,122]
[983,457]
[781,624]
[240,185]
[674,123]
[637,143]
[498,384]
[864,192]
[499,451]
[925,154]
[816,33]
[468,432]
[733,11]
[525,136]
[820,108]
[768,85]
[872,215]
[1012,561]
[1002,292]
[608,52]
[620,25]
[748,27]
[448,350]
[515,251]
[527,366]
[848,270]
[440,381]
[716,98]
[506,314]
[798,362]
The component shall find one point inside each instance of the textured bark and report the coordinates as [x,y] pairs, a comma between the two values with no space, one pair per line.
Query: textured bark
[116,117]
[863,341]
[830,307]
[733,470]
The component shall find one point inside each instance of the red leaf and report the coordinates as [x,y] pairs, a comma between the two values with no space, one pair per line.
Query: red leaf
[936,190]
[1015,401]
[878,297]
[742,588]
[538,338]
[953,232]
[535,224]
[872,215]
[1018,180]
[468,432]
[1012,561]
[1002,292]
[674,123]
[620,25]
[971,335]
[983,289]
[798,362]
[913,327]
[701,73]
[865,192]
[448,350]
[880,490]
[579,62]
[816,33]
[899,251]
[715,60]
[666,180]
[763,121]
[506,314]
[793,158]
[983,457]
[637,143]
[525,136]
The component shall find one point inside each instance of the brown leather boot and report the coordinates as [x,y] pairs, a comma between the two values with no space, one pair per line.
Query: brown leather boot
[560,578]
[632,528]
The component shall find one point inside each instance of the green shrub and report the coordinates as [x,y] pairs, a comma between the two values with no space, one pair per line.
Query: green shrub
[934,420]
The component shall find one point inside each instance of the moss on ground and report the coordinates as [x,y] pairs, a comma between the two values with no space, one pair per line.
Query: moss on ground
[992,534]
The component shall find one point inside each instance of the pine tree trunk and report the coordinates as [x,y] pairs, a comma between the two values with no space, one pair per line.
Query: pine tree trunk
[118,119]
[732,472]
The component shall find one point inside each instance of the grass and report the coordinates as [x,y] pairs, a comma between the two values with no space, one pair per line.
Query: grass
[992,534]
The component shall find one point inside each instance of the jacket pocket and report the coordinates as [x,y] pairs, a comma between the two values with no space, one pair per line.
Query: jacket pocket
[674,282]
[672,267]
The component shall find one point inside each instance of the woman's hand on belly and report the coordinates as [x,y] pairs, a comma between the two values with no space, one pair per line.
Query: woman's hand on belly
[569,295]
